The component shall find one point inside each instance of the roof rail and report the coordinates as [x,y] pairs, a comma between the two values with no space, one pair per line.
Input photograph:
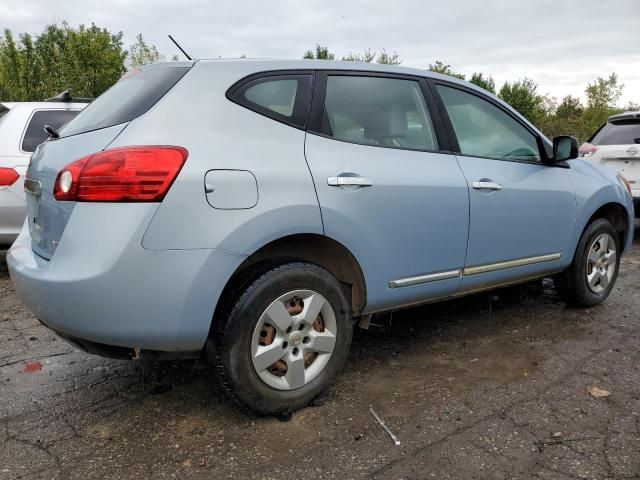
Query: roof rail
[67,98]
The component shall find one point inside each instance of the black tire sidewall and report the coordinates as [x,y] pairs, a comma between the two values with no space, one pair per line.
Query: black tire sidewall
[586,296]
[235,351]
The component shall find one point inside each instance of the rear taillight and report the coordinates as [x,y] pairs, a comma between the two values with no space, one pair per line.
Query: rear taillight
[8,176]
[128,174]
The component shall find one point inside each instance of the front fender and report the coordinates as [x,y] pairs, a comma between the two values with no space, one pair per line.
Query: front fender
[596,186]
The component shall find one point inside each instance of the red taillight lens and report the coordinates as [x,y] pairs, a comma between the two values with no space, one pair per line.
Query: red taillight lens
[8,176]
[129,174]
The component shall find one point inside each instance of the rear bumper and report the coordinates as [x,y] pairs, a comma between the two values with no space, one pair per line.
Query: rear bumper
[102,287]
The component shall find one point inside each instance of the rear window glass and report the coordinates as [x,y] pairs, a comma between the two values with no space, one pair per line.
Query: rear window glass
[134,94]
[35,134]
[624,132]
[277,95]
[285,98]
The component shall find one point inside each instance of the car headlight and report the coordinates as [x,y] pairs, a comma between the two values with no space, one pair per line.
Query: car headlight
[624,182]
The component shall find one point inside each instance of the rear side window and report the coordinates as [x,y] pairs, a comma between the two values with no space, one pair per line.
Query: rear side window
[623,132]
[484,130]
[384,112]
[285,98]
[134,94]
[35,134]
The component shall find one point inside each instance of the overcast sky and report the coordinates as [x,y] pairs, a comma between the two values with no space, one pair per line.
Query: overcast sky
[561,44]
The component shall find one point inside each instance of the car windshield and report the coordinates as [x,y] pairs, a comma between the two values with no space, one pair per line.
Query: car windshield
[623,132]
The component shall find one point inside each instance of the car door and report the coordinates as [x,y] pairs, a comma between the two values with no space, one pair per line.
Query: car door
[385,191]
[522,211]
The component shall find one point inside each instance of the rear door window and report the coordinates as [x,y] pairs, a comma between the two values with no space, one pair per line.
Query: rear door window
[624,132]
[134,94]
[285,98]
[378,111]
[34,134]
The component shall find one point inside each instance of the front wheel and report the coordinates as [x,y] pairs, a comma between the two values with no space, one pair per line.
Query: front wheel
[590,278]
[283,338]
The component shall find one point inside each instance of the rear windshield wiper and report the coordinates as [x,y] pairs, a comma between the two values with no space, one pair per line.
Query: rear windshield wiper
[52,132]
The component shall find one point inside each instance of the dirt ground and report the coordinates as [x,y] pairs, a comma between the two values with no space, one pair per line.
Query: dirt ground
[490,386]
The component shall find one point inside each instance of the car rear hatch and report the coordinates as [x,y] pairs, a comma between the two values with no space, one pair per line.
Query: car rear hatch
[619,140]
[90,132]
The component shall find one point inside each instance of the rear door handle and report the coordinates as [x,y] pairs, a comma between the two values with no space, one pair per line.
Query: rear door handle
[341,181]
[487,185]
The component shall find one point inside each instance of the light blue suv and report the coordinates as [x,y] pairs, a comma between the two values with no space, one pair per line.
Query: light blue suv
[251,211]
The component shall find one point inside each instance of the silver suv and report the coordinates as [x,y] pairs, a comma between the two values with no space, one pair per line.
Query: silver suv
[21,131]
[251,210]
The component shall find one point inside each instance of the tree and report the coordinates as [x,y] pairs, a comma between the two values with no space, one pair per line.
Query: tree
[484,82]
[385,58]
[570,107]
[602,96]
[142,54]
[87,60]
[440,67]
[604,92]
[368,56]
[522,95]
[321,53]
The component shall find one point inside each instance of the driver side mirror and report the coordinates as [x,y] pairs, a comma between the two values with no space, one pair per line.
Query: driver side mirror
[564,148]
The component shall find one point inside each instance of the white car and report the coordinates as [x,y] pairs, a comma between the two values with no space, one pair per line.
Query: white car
[21,131]
[617,145]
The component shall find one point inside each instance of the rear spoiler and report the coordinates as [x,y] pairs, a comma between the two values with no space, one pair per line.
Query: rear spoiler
[624,116]
[67,98]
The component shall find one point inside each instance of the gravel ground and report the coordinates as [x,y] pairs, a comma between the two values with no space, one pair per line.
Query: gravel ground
[491,386]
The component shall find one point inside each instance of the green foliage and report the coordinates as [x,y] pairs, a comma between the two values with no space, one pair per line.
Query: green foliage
[321,53]
[368,56]
[522,95]
[484,82]
[569,107]
[140,53]
[85,59]
[440,67]
[88,60]
[602,96]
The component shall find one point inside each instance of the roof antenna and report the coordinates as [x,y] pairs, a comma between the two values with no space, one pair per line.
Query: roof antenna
[179,47]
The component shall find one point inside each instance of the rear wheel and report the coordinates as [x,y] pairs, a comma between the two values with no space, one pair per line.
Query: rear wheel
[590,277]
[283,337]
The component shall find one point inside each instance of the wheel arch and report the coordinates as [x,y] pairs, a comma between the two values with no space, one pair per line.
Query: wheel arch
[314,248]
[617,215]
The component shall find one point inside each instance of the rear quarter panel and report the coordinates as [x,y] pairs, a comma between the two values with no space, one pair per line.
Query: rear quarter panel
[197,115]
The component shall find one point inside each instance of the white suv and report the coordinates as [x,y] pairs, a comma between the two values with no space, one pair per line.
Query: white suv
[21,131]
[617,145]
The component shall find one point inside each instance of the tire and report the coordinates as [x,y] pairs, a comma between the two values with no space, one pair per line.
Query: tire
[267,364]
[573,284]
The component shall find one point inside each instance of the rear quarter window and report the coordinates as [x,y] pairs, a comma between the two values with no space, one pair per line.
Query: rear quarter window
[134,94]
[282,97]
[623,132]
[34,134]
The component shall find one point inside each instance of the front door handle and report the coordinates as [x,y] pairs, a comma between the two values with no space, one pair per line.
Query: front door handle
[342,181]
[487,185]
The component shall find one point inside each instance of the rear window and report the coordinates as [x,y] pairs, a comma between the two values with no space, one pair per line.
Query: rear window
[35,134]
[134,94]
[624,132]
